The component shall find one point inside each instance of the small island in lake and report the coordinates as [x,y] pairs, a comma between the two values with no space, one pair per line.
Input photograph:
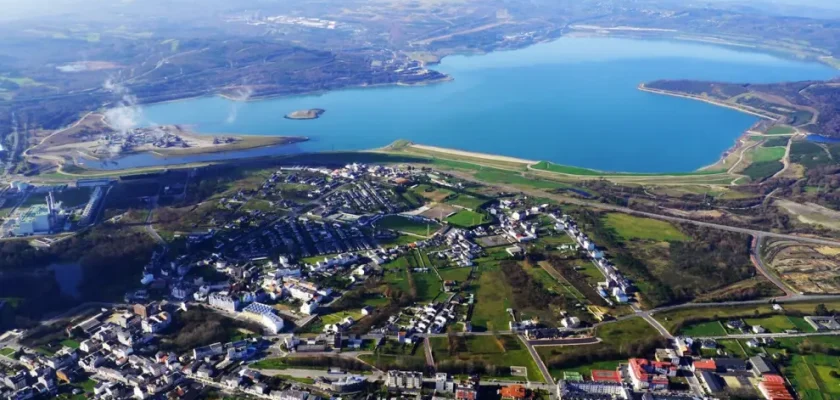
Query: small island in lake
[313,113]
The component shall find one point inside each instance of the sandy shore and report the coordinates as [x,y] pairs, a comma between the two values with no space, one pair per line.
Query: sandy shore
[718,103]
[472,154]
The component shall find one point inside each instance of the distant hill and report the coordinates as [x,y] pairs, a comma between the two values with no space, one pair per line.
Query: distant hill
[813,106]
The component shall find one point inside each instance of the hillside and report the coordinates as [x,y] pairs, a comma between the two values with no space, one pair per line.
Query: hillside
[812,106]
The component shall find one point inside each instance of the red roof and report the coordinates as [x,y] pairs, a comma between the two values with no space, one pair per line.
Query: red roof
[773,378]
[514,392]
[773,388]
[600,375]
[705,365]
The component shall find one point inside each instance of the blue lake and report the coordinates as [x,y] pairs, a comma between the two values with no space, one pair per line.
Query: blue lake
[571,101]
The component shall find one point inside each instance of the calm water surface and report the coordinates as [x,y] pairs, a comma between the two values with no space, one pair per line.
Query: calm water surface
[572,101]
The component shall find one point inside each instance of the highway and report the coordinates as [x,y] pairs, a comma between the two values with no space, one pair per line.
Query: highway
[150,226]
[610,207]
[758,262]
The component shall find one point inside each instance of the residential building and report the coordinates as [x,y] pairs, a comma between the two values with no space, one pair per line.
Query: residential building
[711,382]
[762,366]
[264,314]
[223,302]
[773,387]
[513,392]
[404,380]
[653,375]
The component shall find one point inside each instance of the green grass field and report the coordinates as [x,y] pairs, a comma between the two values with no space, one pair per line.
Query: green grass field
[337,317]
[458,274]
[432,193]
[759,171]
[492,299]
[7,352]
[774,324]
[428,285]
[403,224]
[516,179]
[505,351]
[565,169]
[630,227]
[616,335]
[467,201]
[468,219]
[765,154]
[672,319]
[713,328]
[810,375]
[733,347]
[776,142]
[780,130]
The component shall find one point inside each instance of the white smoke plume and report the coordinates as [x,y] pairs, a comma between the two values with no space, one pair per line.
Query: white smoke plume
[124,117]
[243,93]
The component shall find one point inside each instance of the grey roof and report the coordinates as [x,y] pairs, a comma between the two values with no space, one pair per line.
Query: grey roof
[763,365]
[713,382]
[727,363]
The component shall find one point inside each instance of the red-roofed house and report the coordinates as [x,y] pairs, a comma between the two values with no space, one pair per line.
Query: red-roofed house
[773,387]
[704,365]
[600,375]
[652,375]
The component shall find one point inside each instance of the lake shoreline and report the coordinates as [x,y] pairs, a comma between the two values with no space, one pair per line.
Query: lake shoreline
[351,126]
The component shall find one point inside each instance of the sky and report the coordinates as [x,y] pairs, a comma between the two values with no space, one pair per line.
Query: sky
[19,9]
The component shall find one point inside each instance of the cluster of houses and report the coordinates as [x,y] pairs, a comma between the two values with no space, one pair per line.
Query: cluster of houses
[652,379]
[516,221]
[460,249]
[431,318]
[444,385]
[616,286]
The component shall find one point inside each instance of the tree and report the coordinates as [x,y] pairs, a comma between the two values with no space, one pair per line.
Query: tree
[821,310]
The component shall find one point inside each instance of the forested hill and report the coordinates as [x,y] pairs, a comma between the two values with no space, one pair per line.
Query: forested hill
[813,106]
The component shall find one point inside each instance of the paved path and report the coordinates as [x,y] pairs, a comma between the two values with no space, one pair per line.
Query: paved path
[755,257]
[537,360]
[150,228]
[430,358]
[771,335]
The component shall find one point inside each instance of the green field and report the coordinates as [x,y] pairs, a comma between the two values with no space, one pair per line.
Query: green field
[73,344]
[516,179]
[774,324]
[432,193]
[492,300]
[428,285]
[467,201]
[458,274]
[759,171]
[468,219]
[565,169]
[780,130]
[713,328]
[811,376]
[776,142]
[7,352]
[686,317]
[394,355]
[733,347]
[765,154]
[617,336]
[503,351]
[630,227]
[407,225]
[337,317]
[811,154]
